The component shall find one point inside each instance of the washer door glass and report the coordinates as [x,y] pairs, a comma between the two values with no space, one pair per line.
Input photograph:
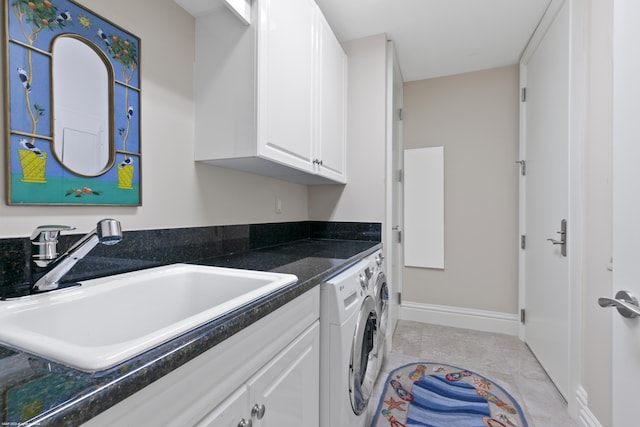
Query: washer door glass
[382,304]
[363,367]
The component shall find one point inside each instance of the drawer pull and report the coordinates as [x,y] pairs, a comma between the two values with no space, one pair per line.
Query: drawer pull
[258,411]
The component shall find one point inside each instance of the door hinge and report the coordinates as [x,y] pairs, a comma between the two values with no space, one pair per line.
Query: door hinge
[523,167]
[399,175]
[399,236]
[522,316]
[400,114]
[523,241]
[523,95]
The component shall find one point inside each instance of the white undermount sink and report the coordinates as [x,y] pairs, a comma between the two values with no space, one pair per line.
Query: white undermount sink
[107,321]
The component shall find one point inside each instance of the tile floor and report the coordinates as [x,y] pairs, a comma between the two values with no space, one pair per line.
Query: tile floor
[501,358]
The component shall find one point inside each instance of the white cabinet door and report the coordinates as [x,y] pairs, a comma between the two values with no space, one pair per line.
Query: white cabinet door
[332,91]
[231,412]
[289,385]
[286,75]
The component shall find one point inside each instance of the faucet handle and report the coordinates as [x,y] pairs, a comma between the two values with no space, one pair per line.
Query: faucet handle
[45,237]
[46,233]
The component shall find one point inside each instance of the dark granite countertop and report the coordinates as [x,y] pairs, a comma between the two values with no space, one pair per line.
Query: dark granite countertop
[39,392]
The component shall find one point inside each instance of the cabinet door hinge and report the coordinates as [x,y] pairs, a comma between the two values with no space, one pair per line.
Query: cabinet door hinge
[523,167]
[523,94]
[399,175]
[399,236]
[523,241]
[522,316]
[400,114]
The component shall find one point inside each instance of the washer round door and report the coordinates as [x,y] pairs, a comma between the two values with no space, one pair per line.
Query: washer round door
[363,366]
[382,305]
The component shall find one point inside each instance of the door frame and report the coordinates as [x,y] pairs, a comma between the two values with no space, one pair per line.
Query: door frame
[577,125]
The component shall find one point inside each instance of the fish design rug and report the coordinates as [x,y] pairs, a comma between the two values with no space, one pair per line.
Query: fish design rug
[439,395]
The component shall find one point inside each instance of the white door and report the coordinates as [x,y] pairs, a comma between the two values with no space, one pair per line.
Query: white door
[395,187]
[546,268]
[626,208]
[287,390]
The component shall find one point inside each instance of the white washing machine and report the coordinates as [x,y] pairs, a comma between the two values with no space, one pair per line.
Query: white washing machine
[348,347]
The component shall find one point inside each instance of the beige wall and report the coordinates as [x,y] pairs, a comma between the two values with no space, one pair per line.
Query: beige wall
[596,329]
[363,198]
[475,117]
[177,192]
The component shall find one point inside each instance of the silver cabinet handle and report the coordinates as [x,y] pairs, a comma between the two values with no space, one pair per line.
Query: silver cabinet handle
[258,411]
[625,302]
[244,423]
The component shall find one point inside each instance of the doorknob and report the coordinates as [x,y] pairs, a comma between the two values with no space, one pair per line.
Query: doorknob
[625,302]
[563,238]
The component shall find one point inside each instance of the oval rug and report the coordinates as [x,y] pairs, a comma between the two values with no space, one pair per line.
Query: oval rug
[440,395]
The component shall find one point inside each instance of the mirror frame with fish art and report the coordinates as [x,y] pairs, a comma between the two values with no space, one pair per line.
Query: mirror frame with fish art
[36,171]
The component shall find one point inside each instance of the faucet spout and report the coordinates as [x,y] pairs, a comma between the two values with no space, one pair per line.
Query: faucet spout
[107,232]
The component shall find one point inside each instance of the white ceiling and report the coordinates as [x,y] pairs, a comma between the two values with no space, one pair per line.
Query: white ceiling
[441,37]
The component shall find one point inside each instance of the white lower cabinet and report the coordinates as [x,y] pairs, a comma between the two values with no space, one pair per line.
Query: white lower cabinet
[283,393]
[272,365]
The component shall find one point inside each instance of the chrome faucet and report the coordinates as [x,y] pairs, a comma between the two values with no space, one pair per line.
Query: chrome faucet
[45,238]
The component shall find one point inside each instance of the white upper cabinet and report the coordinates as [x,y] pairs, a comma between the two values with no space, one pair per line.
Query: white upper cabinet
[270,97]
[286,74]
[331,147]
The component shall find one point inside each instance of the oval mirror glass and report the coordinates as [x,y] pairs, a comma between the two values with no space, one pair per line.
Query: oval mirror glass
[81,97]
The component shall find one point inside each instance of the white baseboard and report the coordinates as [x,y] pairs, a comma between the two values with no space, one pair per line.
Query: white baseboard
[479,320]
[585,416]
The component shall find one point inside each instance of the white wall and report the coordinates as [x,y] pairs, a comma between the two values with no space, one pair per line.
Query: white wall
[475,117]
[176,192]
[363,198]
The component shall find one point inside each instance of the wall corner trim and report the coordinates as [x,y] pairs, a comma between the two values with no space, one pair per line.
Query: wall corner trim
[585,416]
[459,317]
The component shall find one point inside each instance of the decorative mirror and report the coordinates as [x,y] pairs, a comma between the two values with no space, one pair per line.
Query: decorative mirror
[72,80]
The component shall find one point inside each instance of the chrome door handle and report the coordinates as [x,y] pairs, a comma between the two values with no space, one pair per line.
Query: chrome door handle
[563,238]
[625,302]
